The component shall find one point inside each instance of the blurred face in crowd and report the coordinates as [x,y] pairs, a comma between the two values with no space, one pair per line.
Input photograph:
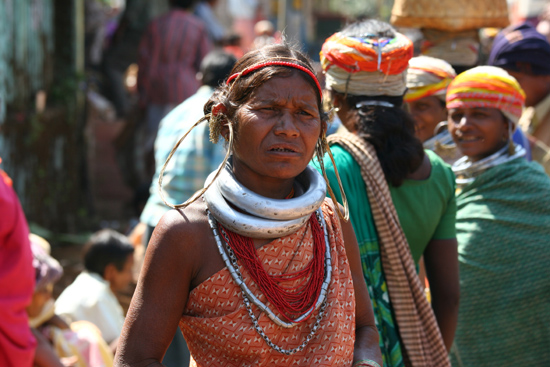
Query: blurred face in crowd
[536,87]
[120,279]
[427,112]
[478,132]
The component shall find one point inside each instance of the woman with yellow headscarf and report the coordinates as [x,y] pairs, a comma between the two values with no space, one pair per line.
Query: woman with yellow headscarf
[503,227]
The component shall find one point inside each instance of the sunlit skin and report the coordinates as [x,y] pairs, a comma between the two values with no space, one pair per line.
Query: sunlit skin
[119,279]
[39,299]
[282,123]
[427,112]
[276,133]
[536,87]
[478,132]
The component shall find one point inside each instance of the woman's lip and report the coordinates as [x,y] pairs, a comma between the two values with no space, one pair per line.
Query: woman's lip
[470,139]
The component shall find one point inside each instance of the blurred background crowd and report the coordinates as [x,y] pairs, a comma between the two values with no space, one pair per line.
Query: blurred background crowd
[85,84]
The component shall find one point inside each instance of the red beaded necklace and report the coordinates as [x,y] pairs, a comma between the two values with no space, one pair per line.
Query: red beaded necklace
[289,301]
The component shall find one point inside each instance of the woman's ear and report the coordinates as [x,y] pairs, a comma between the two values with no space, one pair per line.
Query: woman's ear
[224,131]
[335,100]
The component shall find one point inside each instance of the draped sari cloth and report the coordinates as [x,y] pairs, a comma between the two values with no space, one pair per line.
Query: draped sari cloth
[218,329]
[503,233]
[421,340]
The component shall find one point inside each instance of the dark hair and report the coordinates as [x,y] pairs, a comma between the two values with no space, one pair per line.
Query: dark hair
[389,129]
[215,67]
[106,247]
[183,4]
[370,27]
[242,88]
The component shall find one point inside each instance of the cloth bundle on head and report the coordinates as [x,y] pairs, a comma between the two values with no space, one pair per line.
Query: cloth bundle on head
[367,66]
[487,86]
[457,48]
[521,48]
[428,76]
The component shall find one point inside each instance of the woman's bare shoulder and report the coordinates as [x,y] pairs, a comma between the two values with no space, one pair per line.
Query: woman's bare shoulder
[184,237]
[187,224]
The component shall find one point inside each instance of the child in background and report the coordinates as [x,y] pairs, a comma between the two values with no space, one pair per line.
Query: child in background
[59,344]
[108,260]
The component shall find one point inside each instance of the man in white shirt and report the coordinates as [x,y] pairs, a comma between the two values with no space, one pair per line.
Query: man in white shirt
[108,260]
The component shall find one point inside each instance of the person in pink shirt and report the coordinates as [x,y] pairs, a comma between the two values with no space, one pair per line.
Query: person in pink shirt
[17,344]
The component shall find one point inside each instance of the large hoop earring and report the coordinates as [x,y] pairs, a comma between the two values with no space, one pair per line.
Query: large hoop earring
[324,147]
[199,193]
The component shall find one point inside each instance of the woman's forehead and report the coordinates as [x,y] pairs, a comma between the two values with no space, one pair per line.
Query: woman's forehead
[294,86]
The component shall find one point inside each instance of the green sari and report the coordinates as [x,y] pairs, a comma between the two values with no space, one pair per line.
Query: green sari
[503,232]
[367,238]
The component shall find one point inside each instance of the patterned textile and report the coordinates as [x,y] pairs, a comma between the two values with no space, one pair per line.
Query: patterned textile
[366,66]
[420,336]
[170,54]
[428,76]
[487,86]
[503,232]
[195,158]
[219,331]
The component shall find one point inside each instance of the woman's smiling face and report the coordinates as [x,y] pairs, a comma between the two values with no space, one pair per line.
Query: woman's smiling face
[478,132]
[277,130]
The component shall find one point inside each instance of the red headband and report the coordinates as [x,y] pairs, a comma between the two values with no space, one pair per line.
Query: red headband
[252,68]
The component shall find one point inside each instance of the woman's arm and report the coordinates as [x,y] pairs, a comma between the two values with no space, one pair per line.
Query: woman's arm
[366,333]
[44,356]
[441,262]
[161,293]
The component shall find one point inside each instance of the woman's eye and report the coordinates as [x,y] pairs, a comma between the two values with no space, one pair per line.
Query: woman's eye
[305,113]
[456,116]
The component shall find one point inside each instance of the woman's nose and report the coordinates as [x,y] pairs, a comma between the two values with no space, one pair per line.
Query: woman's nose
[287,124]
[462,123]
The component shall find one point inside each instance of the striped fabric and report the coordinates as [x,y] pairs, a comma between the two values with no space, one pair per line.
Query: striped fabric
[487,86]
[353,54]
[420,336]
[366,66]
[428,76]
[170,54]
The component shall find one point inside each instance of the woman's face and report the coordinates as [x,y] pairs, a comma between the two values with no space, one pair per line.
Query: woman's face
[478,132]
[427,112]
[277,131]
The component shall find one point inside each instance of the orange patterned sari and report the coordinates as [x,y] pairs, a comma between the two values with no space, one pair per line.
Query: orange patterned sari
[218,329]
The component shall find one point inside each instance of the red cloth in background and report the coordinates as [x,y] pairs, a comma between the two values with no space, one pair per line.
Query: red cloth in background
[170,54]
[17,344]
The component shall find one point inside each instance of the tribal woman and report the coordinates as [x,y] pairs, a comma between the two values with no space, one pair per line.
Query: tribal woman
[257,269]
[427,82]
[503,227]
[403,198]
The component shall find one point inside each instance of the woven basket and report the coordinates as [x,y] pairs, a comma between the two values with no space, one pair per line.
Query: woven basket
[450,15]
